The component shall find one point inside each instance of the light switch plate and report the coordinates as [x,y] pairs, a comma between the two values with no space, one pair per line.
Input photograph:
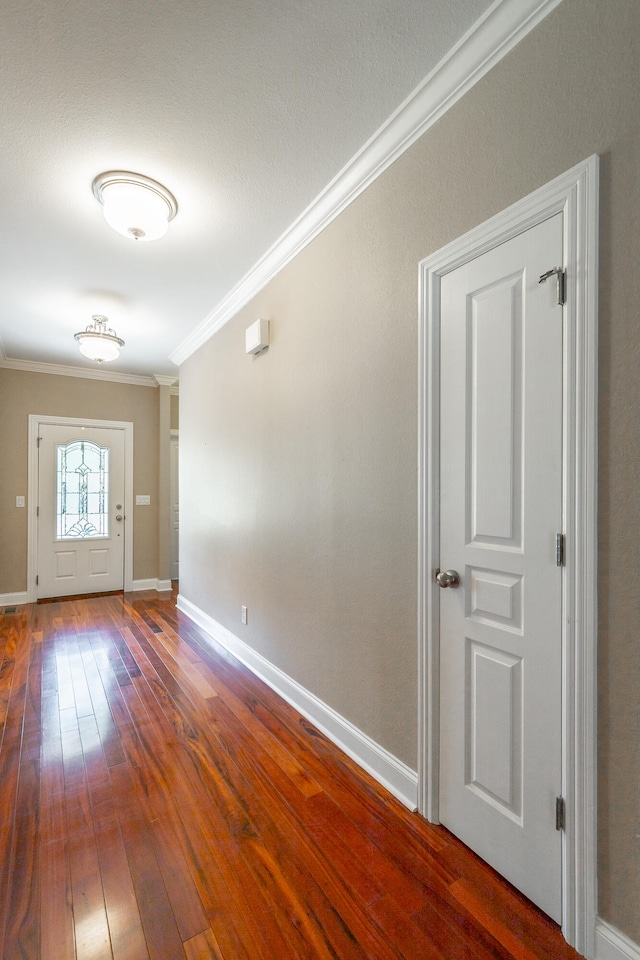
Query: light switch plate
[143,500]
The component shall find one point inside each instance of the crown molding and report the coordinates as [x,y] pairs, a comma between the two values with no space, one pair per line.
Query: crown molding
[491,38]
[164,381]
[34,366]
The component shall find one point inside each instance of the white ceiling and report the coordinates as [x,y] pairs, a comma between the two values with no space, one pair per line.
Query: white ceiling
[244,109]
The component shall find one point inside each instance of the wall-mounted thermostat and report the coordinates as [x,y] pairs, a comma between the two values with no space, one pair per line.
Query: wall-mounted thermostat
[257,336]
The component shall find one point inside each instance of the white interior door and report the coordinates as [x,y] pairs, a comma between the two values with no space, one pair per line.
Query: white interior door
[501,383]
[81,489]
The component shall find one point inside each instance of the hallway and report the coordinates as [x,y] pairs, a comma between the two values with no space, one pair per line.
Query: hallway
[158,802]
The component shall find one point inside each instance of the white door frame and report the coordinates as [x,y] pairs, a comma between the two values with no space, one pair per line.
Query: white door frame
[575,194]
[32,550]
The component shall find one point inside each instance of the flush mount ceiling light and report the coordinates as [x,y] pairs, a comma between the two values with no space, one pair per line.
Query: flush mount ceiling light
[99,342]
[134,205]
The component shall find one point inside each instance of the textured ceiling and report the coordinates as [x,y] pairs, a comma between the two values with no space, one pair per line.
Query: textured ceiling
[245,110]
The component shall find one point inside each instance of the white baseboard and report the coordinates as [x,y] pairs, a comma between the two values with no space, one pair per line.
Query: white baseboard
[392,773]
[611,944]
[13,599]
[151,584]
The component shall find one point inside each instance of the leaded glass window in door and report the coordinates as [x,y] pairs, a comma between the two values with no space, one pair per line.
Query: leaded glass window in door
[82,490]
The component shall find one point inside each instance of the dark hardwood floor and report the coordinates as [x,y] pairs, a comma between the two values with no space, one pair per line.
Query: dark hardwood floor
[157,801]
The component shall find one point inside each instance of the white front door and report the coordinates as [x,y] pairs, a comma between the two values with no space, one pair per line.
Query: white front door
[501,381]
[81,489]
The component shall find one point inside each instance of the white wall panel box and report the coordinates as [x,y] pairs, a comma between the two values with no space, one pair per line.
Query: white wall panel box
[257,336]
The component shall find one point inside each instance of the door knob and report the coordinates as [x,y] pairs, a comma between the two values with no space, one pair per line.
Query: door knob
[119,516]
[448,578]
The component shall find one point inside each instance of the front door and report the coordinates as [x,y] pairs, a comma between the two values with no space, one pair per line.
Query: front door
[501,381]
[80,510]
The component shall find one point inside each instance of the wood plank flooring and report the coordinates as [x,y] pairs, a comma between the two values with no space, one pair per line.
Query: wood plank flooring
[157,802]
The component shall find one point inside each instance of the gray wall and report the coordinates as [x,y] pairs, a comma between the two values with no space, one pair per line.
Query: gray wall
[299,479]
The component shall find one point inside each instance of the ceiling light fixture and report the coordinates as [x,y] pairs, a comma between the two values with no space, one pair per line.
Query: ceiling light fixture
[99,342]
[134,205]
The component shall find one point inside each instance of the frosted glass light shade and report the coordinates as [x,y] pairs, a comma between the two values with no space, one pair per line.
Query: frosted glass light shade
[99,342]
[97,347]
[135,206]
[135,211]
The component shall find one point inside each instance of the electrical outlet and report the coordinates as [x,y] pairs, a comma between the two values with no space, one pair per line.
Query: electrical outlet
[244,614]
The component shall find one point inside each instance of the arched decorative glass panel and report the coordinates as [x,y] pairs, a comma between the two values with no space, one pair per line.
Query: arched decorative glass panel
[82,490]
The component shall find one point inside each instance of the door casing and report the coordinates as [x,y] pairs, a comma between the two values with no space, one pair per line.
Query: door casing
[32,550]
[575,195]
[174,486]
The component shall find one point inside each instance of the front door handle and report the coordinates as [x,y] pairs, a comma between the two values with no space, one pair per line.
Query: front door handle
[448,578]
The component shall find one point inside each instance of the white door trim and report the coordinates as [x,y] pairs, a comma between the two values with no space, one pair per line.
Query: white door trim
[575,194]
[174,542]
[32,550]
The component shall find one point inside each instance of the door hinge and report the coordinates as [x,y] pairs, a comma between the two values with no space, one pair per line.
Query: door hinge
[37,580]
[560,813]
[38,439]
[37,511]
[559,549]
[561,279]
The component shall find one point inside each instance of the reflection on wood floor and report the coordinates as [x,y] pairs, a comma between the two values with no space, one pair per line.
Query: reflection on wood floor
[157,801]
